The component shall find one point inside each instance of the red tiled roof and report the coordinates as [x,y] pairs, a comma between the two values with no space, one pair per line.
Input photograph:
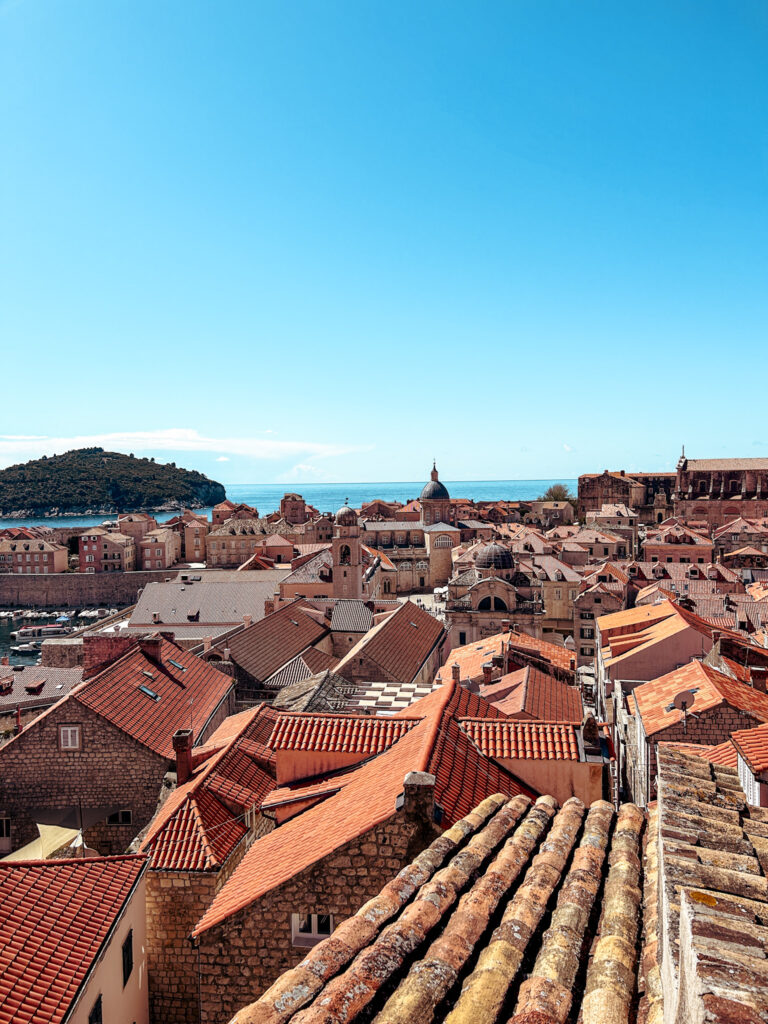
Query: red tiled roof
[472,657]
[539,696]
[353,734]
[187,696]
[400,644]
[261,649]
[55,917]
[654,700]
[552,741]
[752,744]
[435,744]
[723,754]
[200,824]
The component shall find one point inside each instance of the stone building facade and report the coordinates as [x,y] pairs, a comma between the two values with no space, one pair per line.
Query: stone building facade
[716,490]
[241,956]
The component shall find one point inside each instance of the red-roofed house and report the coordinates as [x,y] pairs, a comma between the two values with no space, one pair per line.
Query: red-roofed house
[72,938]
[98,756]
[752,762]
[715,707]
[361,826]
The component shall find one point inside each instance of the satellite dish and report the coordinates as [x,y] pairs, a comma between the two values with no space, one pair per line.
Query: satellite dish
[684,700]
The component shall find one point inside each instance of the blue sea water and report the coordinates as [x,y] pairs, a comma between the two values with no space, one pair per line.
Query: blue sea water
[329,497]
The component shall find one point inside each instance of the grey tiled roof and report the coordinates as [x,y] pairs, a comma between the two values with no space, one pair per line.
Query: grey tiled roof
[57,682]
[215,603]
[351,617]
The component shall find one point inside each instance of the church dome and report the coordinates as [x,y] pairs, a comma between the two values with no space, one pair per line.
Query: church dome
[346,516]
[434,490]
[494,556]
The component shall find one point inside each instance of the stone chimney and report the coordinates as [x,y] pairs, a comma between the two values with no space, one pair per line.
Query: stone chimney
[4,660]
[247,620]
[102,649]
[487,673]
[455,672]
[151,646]
[418,796]
[207,641]
[182,746]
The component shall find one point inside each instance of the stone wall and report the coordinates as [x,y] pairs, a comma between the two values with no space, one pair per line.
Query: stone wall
[176,900]
[110,770]
[77,590]
[244,954]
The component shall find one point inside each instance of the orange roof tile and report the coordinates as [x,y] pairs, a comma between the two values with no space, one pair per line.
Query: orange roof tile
[434,744]
[654,700]
[399,644]
[267,645]
[149,700]
[354,734]
[536,694]
[551,741]
[752,744]
[55,916]
[723,754]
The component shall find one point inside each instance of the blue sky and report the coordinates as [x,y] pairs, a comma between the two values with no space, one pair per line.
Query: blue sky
[329,240]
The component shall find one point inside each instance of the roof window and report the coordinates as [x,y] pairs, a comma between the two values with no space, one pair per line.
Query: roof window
[177,664]
[149,693]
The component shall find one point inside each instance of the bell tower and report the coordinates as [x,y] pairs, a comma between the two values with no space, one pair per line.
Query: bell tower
[347,553]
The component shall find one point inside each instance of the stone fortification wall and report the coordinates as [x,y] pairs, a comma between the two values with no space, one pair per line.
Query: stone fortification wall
[77,590]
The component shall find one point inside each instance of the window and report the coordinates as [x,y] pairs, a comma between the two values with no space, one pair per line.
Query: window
[5,835]
[462,638]
[587,634]
[309,929]
[127,957]
[70,737]
[586,652]
[95,1017]
[122,817]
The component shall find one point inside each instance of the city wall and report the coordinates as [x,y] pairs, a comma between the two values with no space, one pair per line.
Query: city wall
[77,590]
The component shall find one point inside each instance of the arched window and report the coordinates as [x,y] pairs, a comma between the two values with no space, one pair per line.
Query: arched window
[484,605]
[404,567]
[443,541]
[499,605]
[421,566]
[344,555]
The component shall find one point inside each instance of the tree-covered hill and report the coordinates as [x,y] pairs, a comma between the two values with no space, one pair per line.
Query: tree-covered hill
[92,480]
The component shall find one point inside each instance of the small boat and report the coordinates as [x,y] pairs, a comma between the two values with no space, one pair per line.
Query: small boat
[25,649]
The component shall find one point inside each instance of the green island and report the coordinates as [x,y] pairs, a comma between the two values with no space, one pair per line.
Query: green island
[93,481]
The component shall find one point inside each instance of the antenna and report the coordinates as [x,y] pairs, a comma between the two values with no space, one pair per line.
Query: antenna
[683,701]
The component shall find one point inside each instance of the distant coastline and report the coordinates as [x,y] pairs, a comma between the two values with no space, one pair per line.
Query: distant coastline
[324,497]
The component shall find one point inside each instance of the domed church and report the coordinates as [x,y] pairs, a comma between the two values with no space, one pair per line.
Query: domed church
[435,501]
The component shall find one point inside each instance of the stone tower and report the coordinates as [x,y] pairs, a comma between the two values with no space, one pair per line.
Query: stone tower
[347,553]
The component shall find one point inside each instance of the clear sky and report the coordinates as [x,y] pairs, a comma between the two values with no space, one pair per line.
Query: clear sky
[320,240]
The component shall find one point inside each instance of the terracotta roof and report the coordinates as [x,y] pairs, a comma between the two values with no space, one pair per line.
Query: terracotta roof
[654,700]
[436,744]
[532,693]
[552,741]
[472,657]
[55,916]
[400,644]
[351,734]
[723,753]
[149,700]
[491,922]
[752,744]
[201,823]
[266,646]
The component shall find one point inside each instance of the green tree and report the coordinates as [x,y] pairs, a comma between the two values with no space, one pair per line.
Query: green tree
[558,492]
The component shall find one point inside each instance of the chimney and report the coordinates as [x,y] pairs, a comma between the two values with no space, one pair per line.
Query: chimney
[418,796]
[758,675]
[455,672]
[505,624]
[715,637]
[151,646]
[487,673]
[4,660]
[247,620]
[182,747]
[207,641]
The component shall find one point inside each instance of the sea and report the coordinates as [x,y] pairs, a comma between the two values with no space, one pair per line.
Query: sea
[330,497]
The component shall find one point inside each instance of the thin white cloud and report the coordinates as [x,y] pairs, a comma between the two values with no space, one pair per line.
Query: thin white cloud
[223,458]
[567,447]
[14,448]
[303,471]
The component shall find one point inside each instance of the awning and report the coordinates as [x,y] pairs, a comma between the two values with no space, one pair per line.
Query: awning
[52,838]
